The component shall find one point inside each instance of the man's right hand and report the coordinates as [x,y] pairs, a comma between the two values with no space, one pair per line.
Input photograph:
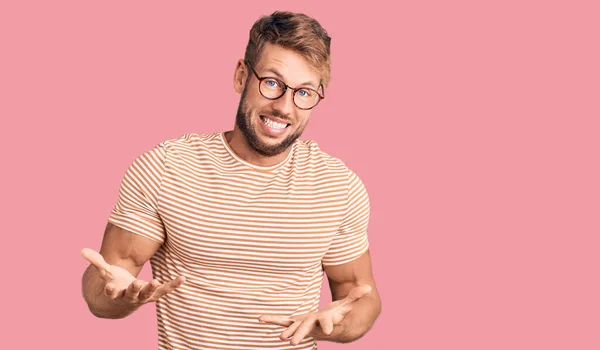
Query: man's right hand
[121,285]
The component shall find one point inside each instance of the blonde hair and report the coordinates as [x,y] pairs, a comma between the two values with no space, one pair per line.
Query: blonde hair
[294,31]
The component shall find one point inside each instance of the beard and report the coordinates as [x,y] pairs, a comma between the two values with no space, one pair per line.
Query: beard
[243,121]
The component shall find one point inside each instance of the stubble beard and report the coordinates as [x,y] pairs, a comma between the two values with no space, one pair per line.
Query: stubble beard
[244,123]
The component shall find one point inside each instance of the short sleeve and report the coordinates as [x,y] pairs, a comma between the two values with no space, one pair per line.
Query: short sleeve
[350,242]
[136,209]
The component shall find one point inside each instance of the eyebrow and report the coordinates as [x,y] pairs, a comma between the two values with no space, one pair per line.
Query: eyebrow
[274,71]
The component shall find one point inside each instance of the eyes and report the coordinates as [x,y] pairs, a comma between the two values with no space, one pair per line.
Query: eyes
[304,93]
[272,83]
[276,84]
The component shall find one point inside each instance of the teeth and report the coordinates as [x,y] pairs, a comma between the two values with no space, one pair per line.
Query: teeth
[273,124]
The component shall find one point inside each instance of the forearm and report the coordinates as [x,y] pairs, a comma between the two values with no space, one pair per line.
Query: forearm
[357,322]
[99,304]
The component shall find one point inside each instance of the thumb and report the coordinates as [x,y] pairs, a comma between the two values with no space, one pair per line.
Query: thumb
[97,260]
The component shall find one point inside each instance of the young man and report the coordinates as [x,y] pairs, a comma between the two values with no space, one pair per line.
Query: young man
[239,226]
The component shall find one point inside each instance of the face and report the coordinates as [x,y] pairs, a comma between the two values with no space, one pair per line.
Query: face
[261,120]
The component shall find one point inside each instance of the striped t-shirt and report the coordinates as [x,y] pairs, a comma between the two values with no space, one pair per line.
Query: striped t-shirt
[251,240]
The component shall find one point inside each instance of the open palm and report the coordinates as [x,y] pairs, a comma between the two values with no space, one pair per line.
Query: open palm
[320,322]
[121,284]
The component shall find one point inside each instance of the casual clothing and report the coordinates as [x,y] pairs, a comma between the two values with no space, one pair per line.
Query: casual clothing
[250,240]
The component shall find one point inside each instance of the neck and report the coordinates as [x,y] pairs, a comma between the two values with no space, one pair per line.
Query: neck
[238,143]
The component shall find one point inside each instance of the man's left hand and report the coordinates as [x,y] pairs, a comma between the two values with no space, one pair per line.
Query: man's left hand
[320,323]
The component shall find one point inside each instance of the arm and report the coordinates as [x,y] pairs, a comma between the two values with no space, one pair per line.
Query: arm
[355,307]
[133,234]
[356,302]
[109,284]
[342,279]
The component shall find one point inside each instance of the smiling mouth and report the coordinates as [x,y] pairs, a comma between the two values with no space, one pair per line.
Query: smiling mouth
[273,124]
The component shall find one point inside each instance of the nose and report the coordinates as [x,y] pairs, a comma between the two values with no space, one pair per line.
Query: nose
[285,104]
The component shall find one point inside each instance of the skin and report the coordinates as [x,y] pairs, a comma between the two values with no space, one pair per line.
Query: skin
[266,149]
[110,284]
[353,311]
[356,301]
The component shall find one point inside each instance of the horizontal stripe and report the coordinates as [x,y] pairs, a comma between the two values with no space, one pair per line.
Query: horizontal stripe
[250,240]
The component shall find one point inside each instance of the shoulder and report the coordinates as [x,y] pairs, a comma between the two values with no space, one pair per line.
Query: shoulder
[188,140]
[330,166]
[189,143]
[182,145]
[313,156]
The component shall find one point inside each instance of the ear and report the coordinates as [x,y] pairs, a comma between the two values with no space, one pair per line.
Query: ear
[240,76]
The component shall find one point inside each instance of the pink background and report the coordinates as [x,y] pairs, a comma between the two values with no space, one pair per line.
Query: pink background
[473,126]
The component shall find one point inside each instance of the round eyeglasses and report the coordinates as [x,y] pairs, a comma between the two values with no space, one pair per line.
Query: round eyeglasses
[273,88]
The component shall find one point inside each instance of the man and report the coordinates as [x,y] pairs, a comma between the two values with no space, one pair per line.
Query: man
[240,226]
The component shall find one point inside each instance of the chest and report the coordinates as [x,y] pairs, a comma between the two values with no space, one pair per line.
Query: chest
[251,219]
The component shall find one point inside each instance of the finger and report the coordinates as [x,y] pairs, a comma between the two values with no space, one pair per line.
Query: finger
[305,328]
[168,287]
[148,290]
[326,324]
[278,320]
[290,331]
[132,292]
[97,260]
[357,293]
[110,290]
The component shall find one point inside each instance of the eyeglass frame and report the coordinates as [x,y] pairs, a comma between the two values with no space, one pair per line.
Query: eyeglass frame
[285,88]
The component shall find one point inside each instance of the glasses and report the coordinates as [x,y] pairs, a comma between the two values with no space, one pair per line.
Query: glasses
[273,88]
